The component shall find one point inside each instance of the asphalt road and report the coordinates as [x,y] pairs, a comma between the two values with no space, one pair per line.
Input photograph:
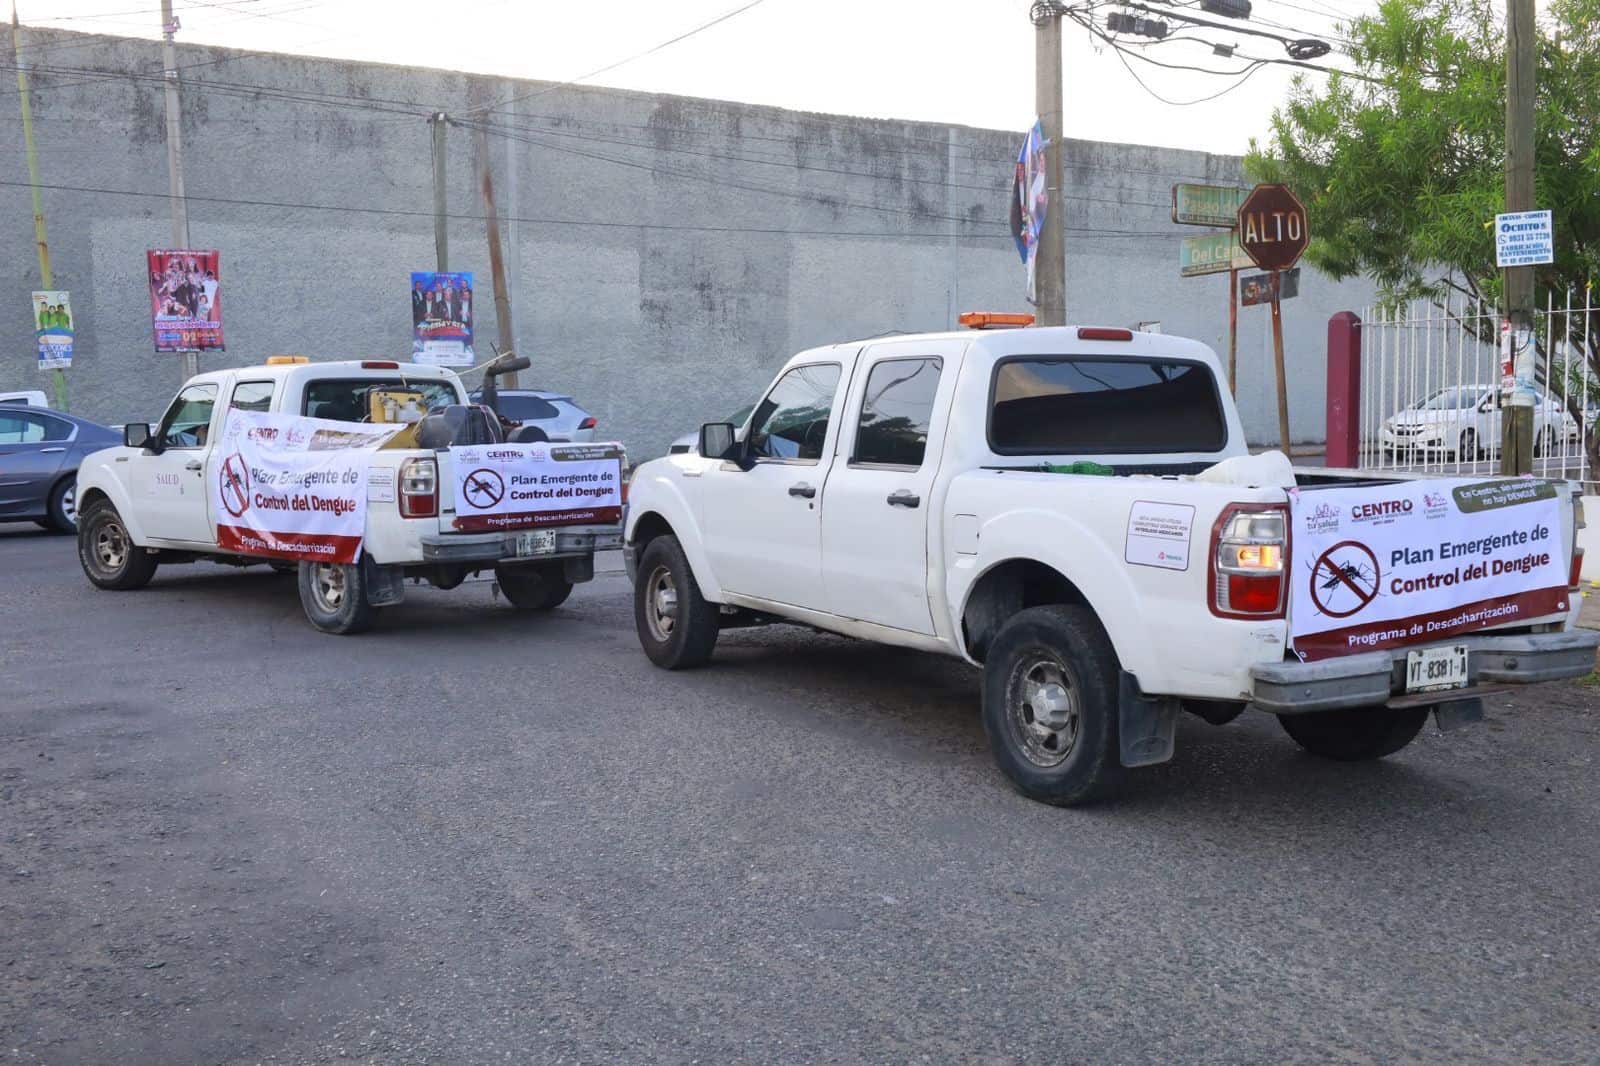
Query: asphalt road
[473,836]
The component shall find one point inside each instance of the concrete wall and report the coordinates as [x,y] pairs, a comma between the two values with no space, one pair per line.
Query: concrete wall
[666,253]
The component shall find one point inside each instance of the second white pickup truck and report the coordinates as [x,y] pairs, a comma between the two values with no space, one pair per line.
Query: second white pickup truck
[150,502]
[1074,509]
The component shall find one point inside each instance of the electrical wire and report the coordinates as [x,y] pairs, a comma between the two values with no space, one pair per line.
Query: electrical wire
[621,62]
[1096,232]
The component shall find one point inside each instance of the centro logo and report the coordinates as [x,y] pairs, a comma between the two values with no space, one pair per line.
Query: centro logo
[504,456]
[1383,509]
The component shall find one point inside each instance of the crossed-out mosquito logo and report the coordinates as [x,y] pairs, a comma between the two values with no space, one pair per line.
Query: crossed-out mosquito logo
[1323,518]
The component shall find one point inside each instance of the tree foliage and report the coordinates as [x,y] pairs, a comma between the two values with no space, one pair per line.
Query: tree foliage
[1401,164]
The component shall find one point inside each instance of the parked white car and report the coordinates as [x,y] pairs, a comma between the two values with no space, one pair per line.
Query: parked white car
[1075,510]
[28,397]
[1463,422]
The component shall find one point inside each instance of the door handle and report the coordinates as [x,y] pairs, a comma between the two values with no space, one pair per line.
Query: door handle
[50,451]
[800,488]
[192,464]
[904,498]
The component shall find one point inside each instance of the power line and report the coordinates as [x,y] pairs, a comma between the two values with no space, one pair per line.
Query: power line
[1107,233]
[621,62]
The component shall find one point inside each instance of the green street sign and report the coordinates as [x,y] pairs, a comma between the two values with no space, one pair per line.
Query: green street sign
[1207,205]
[1214,253]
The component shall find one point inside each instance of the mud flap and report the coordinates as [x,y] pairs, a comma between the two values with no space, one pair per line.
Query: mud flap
[1457,713]
[386,585]
[1147,726]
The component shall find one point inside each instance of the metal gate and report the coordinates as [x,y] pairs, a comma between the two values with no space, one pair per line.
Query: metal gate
[1431,396]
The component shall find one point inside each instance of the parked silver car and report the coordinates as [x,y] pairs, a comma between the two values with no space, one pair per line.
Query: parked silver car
[553,412]
[40,451]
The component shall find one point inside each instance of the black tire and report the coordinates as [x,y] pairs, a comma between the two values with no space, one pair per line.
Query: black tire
[107,553]
[1074,758]
[1467,449]
[1357,734]
[334,597]
[1545,445]
[63,505]
[534,588]
[677,626]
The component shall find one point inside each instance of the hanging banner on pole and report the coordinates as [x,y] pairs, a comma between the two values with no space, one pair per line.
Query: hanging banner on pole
[441,318]
[1030,200]
[185,300]
[52,329]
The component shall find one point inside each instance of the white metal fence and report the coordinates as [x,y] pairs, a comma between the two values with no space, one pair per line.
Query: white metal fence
[1430,387]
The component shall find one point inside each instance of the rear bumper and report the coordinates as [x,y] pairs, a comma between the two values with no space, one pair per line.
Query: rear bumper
[495,547]
[1377,678]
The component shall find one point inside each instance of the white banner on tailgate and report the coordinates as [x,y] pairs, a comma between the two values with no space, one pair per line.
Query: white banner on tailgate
[516,486]
[1385,565]
[292,487]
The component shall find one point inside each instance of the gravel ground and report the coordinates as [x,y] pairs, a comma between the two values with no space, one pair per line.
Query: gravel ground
[472,836]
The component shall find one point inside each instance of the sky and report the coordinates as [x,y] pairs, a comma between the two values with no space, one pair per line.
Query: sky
[943,61]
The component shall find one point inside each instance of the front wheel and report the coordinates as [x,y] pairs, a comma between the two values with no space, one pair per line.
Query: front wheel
[677,626]
[1050,704]
[334,597]
[1357,734]
[108,555]
[534,588]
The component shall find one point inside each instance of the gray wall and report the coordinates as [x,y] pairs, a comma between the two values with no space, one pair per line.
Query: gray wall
[641,280]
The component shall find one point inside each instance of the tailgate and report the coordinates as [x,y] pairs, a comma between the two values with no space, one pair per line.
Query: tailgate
[1376,566]
[496,488]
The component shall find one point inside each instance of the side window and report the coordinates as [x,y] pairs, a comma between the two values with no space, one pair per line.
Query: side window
[792,422]
[20,429]
[895,411]
[252,396]
[189,418]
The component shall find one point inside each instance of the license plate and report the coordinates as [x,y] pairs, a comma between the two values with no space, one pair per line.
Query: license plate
[1431,669]
[536,542]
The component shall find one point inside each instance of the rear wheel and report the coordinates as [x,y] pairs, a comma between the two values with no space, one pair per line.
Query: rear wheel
[532,588]
[1355,734]
[1546,444]
[1050,704]
[108,555]
[334,597]
[63,505]
[1467,450]
[677,626]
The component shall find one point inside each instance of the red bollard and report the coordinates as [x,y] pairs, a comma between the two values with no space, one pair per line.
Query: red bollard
[1344,390]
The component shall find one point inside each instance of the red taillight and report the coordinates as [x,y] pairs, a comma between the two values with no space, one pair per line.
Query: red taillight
[588,423]
[379,364]
[1249,561]
[419,488]
[1104,333]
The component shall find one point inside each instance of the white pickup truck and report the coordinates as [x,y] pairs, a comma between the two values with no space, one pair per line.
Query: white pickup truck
[1074,509]
[149,502]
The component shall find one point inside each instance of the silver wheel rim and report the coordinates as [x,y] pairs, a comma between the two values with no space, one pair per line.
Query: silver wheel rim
[327,586]
[111,545]
[661,604]
[69,504]
[1044,709]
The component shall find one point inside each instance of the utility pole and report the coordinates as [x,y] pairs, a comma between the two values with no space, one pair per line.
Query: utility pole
[46,276]
[1050,269]
[441,236]
[180,204]
[1516,418]
[497,266]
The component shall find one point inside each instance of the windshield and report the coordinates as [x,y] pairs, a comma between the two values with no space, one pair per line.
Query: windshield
[1078,405]
[1448,400]
[345,399]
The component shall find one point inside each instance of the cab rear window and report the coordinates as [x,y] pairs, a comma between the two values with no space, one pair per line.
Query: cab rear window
[1085,405]
[345,399]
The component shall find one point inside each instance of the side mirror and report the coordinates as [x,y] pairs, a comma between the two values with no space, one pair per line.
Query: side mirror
[716,440]
[136,434]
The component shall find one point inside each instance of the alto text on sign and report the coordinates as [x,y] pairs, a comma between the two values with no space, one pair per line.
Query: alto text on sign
[1273,230]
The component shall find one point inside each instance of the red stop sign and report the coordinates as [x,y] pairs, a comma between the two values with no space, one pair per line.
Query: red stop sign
[1272,227]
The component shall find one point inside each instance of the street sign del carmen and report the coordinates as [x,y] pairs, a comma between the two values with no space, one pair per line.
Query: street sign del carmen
[1272,227]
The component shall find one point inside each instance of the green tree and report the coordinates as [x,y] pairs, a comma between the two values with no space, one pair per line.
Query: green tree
[1401,163]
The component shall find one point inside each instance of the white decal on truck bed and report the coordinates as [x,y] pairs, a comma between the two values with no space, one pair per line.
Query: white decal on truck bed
[1158,534]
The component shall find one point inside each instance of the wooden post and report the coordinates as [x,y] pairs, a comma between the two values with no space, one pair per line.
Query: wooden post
[1277,363]
[1516,426]
[1050,269]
